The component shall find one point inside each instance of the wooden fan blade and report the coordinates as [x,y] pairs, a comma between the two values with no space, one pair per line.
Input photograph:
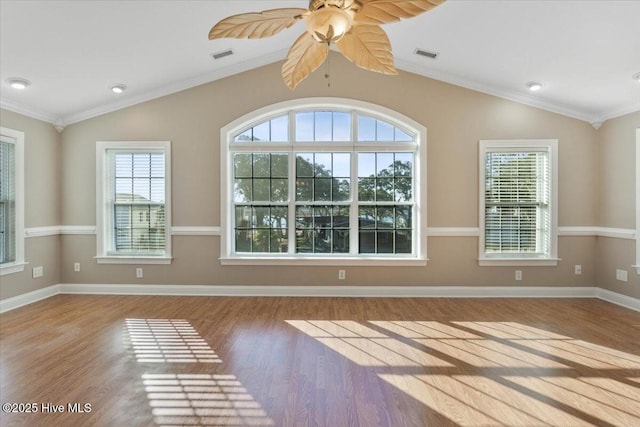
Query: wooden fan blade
[383,11]
[304,57]
[256,25]
[368,47]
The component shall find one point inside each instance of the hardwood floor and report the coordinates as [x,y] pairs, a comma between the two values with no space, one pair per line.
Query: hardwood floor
[226,361]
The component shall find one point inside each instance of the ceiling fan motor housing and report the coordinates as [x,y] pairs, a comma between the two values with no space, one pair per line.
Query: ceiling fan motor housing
[342,4]
[330,19]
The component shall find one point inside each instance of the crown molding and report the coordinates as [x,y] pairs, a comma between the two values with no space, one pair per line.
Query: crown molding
[29,112]
[619,112]
[61,122]
[596,120]
[178,86]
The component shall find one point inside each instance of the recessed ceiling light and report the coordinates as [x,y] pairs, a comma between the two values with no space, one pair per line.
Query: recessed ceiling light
[534,86]
[18,83]
[636,77]
[118,88]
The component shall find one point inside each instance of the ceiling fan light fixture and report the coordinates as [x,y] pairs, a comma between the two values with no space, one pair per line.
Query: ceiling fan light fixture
[18,83]
[352,25]
[329,24]
[534,86]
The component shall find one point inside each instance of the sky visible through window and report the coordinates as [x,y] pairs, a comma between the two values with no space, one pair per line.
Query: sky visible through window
[324,126]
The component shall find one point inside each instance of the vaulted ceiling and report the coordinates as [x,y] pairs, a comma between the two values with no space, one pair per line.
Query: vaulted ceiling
[585,53]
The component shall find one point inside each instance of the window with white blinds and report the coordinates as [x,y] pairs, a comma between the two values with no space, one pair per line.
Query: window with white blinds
[135,193]
[139,224]
[7,201]
[11,201]
[518,200]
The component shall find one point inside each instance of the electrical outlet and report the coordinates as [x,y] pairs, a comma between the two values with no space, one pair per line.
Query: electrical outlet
[622,275]
[139,273]
[76,266]
[342,274]
[38,272]
[578,269]
[518,274]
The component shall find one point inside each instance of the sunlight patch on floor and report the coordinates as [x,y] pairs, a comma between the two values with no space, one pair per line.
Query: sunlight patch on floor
[167,341]
[572,392]
[431,329]
[188,399]
[463,400]
[528,376]
[202,400]
[365,346]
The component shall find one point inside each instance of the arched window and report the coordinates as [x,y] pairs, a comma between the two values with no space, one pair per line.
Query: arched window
[323,181]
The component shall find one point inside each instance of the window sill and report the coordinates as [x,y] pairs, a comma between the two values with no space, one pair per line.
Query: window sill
[12,267]
[521,262]
[133,260]
[328,261]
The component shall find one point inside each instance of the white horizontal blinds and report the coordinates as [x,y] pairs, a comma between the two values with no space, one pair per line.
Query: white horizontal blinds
[7,201]
[517,202]
[139,222]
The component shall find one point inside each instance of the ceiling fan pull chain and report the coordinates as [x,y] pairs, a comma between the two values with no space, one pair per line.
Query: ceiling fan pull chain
[327,74]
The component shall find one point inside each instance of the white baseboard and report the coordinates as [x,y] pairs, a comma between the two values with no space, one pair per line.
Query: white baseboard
[8,304]
[336,291]
[326,291]
[618,299]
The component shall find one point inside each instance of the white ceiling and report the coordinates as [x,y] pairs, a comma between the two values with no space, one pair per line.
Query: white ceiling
[584,52]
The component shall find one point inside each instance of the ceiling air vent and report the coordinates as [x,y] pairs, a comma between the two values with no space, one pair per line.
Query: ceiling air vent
[220,55]
[426,53]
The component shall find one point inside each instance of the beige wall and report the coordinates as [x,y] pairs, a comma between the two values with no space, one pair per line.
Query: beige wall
[616,202]
[616,171]
[42,203]
[455,118]
[596,183]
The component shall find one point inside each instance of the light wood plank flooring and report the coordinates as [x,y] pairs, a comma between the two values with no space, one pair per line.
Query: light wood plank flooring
[226,361]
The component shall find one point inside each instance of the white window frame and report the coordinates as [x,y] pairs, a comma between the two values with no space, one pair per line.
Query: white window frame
[17,138]
[548,145]
[637,236]
[227,133]
[104,187]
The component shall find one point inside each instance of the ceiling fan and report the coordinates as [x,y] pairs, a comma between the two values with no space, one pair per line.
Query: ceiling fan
[352,25]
